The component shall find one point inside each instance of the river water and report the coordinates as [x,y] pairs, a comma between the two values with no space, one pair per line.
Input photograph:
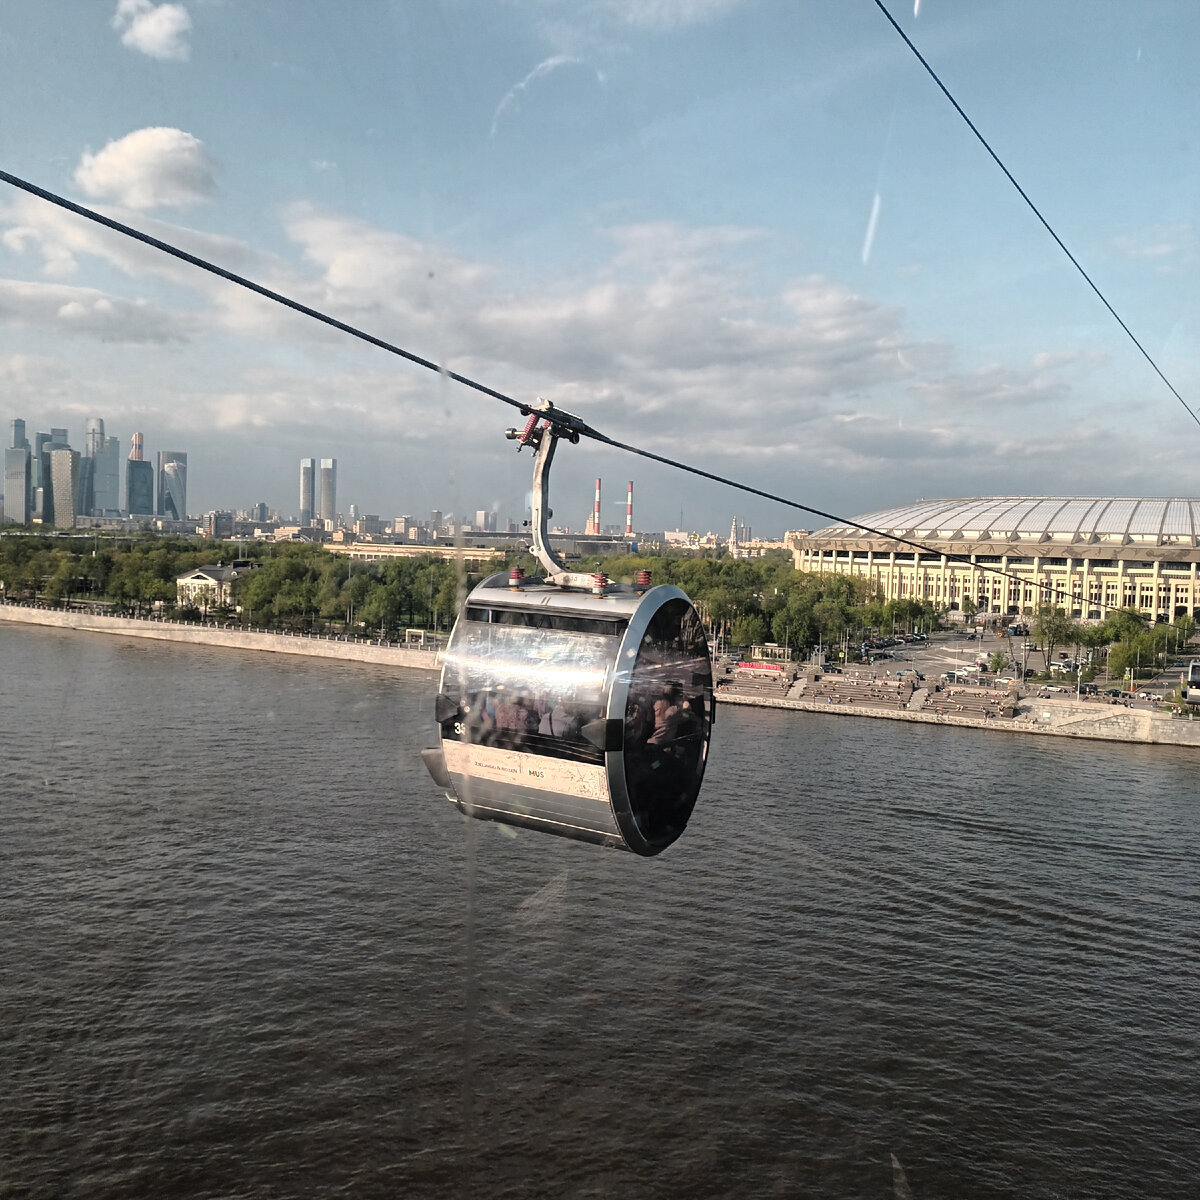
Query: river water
[246,950]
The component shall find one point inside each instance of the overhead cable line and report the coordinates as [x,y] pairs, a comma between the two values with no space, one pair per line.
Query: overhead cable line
[571,426]
[204,265]
[1035,210]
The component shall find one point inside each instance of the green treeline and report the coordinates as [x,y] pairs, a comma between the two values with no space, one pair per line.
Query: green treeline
[293,585]
[299,586]
[133,573]
[1132,647]
[753,600]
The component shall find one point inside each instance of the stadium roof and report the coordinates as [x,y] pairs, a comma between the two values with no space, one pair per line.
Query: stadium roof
[1063,519]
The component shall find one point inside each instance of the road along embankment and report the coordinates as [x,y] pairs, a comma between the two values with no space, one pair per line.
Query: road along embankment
[1054,718]
[237,639]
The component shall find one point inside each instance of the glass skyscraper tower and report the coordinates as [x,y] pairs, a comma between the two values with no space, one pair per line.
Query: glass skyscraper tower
[308,484]
[329,489]
[172,484]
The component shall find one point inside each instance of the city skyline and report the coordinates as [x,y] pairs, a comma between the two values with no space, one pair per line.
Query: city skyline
[753,236]
[92,481]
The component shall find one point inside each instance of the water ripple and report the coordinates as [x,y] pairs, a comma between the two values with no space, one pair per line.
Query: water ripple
[249,952]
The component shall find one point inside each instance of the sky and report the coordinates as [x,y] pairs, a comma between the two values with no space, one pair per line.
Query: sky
[749,234]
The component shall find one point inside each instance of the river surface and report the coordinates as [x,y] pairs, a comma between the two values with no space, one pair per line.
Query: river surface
[247,951]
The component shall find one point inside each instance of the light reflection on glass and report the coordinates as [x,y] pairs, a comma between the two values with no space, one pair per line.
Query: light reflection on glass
[529,689]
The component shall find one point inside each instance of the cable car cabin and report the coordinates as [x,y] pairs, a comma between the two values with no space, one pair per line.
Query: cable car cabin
[585,715]
[1190,682]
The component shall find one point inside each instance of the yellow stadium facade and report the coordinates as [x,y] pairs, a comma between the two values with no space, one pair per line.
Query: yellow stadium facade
[1095,554]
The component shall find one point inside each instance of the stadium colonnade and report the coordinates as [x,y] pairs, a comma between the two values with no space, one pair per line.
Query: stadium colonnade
[1096,553]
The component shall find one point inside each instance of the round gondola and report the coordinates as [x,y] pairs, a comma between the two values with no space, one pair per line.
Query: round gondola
[585,714]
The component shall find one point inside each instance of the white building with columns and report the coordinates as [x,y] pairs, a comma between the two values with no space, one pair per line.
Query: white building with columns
[1096,553]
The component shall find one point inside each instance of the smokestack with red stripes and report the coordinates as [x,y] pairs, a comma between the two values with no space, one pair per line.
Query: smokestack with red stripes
[629,511]
[596,511]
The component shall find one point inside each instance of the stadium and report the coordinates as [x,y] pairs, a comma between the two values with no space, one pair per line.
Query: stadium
[1096,554]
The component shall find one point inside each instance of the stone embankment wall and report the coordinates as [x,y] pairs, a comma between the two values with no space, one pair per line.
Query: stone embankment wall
[1056,718]
[238,639]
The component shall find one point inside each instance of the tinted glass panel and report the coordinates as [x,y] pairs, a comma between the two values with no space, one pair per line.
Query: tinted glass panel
[667,721]
[548,619]
[530,689]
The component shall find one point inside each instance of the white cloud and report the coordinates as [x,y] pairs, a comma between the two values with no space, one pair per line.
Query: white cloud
[672,342]
[665,15]
[156,167]
[64,240]
[1167,248]
[667,340]
[512,96]
[68,310]
[364,269]
[157,30]
[995,388]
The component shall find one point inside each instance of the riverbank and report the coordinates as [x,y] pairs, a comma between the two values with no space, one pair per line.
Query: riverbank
[1055,718]
[237,639]
[1047,717]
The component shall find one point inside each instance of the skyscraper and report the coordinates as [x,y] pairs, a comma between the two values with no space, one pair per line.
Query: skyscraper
[100,473]
[106,480]
[172,484]
[45,444]
[329,489]
[64,484]
[84,486]
[18,440]
[18,479]
[93,436]
[308,483]
[139,482]
[40,441]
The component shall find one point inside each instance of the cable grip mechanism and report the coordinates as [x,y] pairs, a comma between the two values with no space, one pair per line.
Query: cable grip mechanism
[555,423]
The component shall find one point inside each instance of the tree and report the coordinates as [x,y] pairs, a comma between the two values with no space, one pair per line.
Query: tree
[830,618]
[749,630]
[1120,659]
[1053,628]
[1185,628]
[1124,624]
[446,600]
[998,661]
